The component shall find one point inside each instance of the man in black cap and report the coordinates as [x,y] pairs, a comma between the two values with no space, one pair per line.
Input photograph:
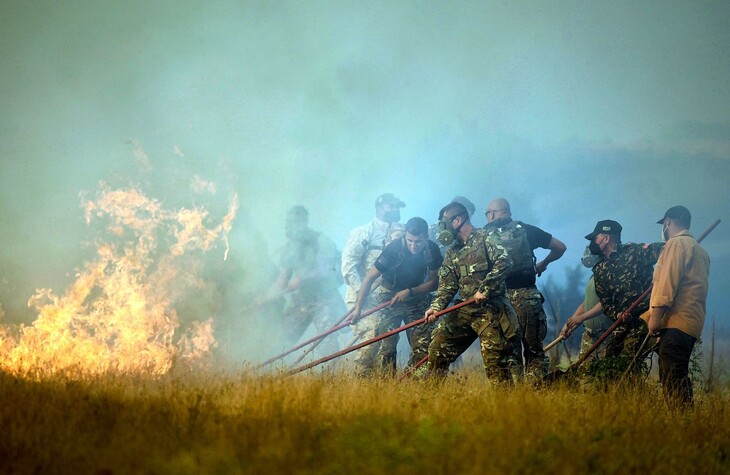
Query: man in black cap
[621,276]
[678,302]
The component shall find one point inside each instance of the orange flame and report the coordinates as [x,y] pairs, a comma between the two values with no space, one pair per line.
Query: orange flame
[119,315]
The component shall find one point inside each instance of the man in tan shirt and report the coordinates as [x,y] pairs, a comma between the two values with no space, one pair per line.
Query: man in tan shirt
[678,302]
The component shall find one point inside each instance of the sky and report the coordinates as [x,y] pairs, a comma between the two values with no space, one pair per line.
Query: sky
[574,111]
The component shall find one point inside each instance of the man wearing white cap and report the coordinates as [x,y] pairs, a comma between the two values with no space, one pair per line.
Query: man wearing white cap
[363,246]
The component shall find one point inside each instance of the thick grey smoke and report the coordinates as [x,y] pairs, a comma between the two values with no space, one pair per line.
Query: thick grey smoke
[574,112]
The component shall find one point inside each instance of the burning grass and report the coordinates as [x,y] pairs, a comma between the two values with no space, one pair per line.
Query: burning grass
[334,423]
[120,314]
[110,378]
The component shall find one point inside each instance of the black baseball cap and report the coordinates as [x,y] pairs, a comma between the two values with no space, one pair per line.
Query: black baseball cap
[607,226]
[680,213]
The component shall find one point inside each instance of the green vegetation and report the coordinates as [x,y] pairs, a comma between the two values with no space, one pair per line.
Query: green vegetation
[334,423]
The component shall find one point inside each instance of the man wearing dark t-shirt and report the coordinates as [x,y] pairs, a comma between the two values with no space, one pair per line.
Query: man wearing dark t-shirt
[521,240]
[408,271]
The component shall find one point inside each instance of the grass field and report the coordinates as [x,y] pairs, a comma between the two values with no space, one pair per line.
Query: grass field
[334,423]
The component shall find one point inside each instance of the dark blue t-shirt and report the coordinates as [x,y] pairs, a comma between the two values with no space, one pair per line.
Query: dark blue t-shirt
[403,270]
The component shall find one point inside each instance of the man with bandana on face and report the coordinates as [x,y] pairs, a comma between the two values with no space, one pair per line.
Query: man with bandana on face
[408,269]
[521,240]
[363,246]
[474,266]
[309,277]
[621,276]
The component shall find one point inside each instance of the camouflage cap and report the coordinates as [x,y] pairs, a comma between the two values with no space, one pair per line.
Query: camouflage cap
[607,226]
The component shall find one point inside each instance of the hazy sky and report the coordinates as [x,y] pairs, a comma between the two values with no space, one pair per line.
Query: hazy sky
[573,111]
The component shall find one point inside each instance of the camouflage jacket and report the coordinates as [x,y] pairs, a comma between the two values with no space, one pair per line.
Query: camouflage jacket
[364,245]
[622,277]
[479,265]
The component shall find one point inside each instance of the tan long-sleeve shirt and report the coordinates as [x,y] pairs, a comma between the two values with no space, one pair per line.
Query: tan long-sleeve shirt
[681,283]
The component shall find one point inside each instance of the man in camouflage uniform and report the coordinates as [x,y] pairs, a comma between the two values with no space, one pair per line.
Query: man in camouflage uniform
[363,246]
[433,232]
[474,266]
[434,228]
[309,277]
[623,273]
[409,269]
[520,240]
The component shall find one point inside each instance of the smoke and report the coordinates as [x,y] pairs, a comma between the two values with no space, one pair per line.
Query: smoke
[573,112]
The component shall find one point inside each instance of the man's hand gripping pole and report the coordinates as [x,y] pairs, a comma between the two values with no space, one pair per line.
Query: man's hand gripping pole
[378,338]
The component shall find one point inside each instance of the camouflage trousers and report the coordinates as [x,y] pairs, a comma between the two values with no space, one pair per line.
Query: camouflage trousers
[322,312]
[419,337]
[627,338]
[527,302]
[495,324]
[587,341]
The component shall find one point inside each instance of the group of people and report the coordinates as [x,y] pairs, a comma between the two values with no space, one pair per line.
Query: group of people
[671,320]
[416,271]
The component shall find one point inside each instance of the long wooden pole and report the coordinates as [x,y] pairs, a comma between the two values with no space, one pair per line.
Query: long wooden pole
[628,311]
[377,338]
[338,326]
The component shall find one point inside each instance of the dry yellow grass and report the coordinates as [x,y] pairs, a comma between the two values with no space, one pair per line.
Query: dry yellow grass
[334,423]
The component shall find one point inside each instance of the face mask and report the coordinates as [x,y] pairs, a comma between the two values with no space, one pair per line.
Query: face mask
[665,233]
[392,216]
[595,249]
[447,233]
[589,259]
